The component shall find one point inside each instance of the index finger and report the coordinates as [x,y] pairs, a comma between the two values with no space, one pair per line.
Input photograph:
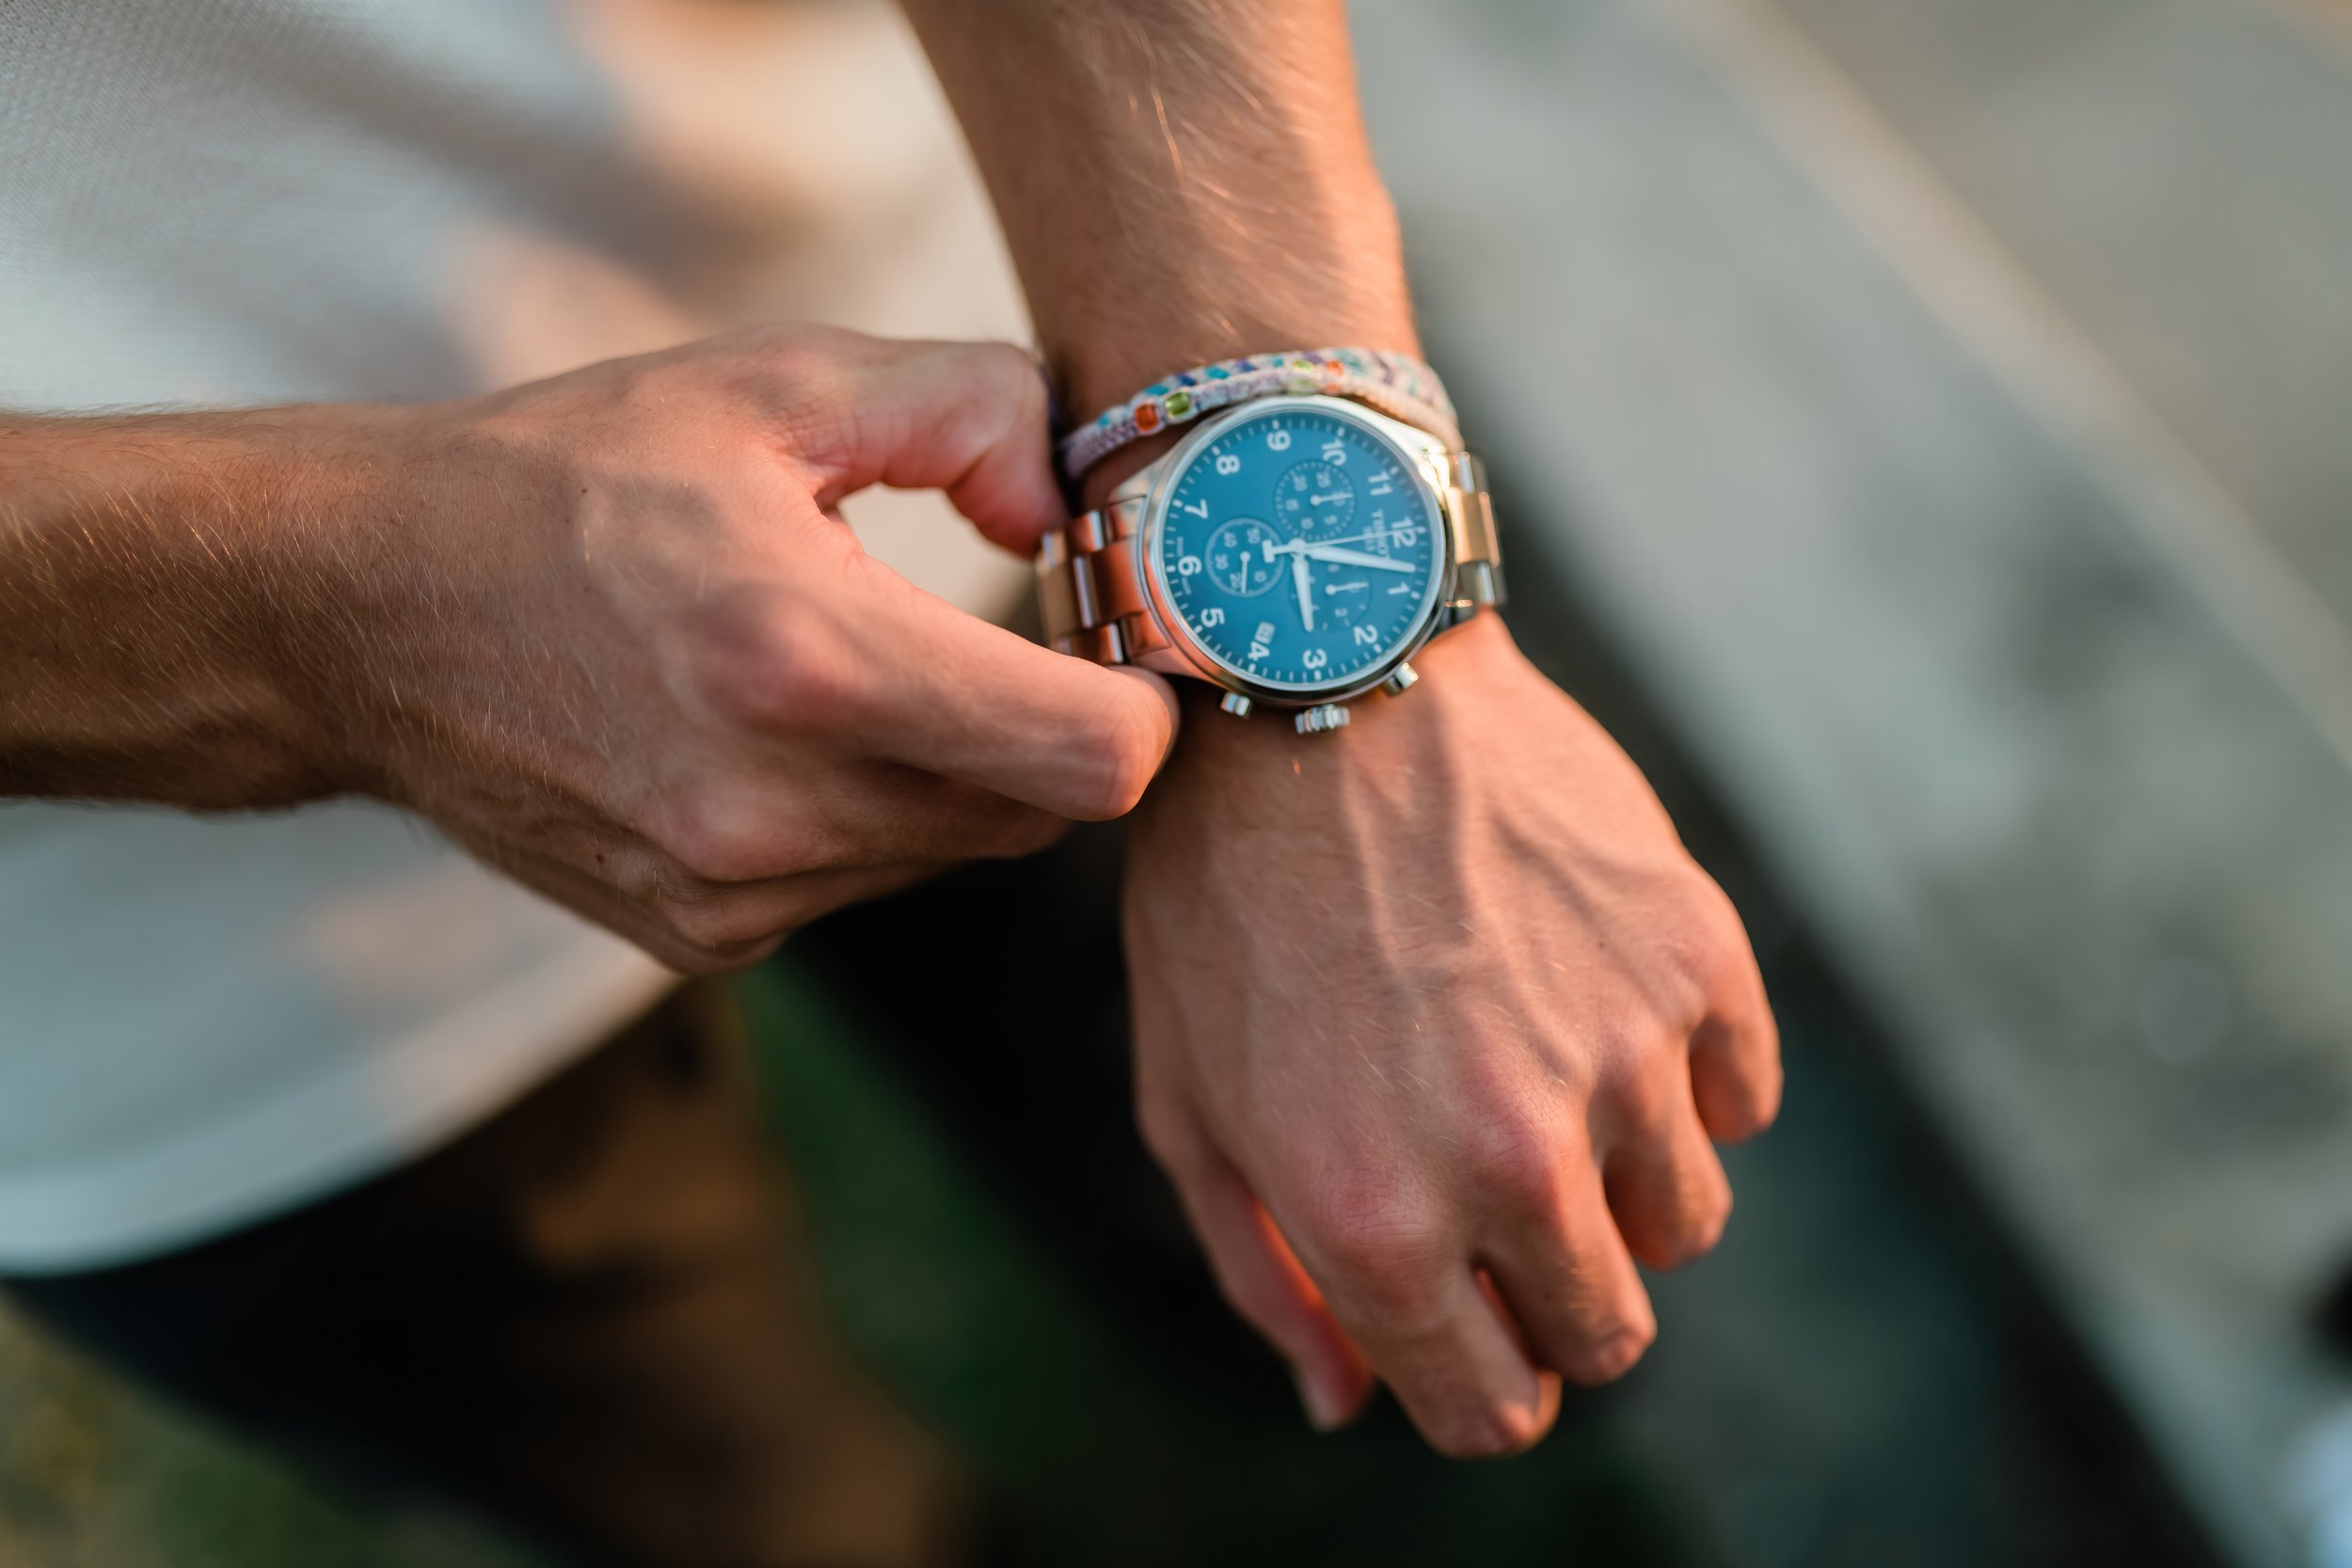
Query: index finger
[965,419]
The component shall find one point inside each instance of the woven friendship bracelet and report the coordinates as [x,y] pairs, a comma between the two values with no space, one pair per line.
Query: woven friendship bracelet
[1395,384]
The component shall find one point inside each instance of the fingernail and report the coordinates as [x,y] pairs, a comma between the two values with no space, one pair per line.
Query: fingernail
[1324,1412]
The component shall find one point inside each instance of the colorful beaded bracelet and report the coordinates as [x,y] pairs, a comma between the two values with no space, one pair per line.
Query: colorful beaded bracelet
[1395,384]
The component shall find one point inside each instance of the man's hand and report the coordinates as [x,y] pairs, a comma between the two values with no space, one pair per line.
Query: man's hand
[1485,1016]
[607,630]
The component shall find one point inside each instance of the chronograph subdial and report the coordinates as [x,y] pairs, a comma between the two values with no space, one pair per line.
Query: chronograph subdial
[1314,498]
[1241,559]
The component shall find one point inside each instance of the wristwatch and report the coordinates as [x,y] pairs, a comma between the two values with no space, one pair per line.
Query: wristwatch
[1295,549]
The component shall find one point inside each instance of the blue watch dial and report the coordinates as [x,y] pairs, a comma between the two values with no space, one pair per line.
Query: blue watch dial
[1299,548]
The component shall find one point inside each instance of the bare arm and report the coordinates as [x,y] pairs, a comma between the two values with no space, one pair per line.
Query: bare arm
[606,630]
[1435,1019]
[1180,179]
[144,569]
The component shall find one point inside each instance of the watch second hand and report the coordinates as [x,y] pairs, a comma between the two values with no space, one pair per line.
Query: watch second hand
[1359,538]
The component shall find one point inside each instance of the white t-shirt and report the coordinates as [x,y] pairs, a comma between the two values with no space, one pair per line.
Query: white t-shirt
[205,1021]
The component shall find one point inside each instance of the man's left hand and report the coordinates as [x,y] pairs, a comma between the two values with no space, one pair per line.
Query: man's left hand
[1435,1021]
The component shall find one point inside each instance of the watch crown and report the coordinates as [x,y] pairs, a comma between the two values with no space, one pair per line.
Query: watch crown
[1401,680]
[1236,704]
[1323,719]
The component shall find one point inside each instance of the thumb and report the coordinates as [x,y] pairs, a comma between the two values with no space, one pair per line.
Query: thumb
[968,419]
[951,694]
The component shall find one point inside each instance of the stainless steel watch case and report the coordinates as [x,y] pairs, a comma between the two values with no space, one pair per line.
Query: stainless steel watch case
[1103,596]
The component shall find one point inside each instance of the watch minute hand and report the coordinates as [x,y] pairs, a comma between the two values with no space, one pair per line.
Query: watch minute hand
[1338,557]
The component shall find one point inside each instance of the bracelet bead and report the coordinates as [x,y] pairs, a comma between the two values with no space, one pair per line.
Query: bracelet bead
[1395,384]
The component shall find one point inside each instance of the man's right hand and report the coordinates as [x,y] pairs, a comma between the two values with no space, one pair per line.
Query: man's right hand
[636,659]
[607,630]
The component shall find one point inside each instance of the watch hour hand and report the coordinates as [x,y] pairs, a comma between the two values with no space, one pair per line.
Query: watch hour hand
[1305,584]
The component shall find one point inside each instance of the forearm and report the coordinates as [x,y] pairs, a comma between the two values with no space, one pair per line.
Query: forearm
[1181,181]
[151,571]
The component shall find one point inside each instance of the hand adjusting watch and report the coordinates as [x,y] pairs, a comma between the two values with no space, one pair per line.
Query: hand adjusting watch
[1303,540]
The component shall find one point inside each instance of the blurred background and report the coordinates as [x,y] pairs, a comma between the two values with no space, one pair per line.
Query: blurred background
[1924,434]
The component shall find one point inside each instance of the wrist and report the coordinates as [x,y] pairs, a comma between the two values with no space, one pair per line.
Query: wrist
[332,582]
[1216,751]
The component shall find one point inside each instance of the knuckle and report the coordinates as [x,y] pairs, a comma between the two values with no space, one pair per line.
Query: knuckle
[1383,1240]
[1496,1430]
[1643,1103]
[812,359]
[1612,1354]
[1632,1047]
[1693,1231]
[826,409]
[696,920]
[724,837]
[1515,1163]
[1706,1224]
[720,930]
[712,842]
[1747,1113]
[786,344]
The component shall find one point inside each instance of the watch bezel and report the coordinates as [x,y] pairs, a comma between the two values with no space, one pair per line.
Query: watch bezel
[1422,456]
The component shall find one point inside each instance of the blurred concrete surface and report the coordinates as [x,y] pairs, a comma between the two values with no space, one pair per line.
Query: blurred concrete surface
[1942,406]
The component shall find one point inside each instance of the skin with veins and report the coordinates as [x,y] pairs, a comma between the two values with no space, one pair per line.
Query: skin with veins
[1313,922]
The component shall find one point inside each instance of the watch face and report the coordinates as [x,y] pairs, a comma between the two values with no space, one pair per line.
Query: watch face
[1300,548]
